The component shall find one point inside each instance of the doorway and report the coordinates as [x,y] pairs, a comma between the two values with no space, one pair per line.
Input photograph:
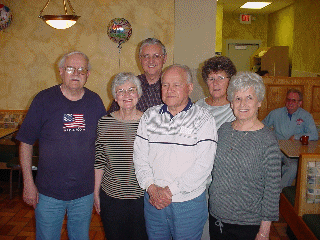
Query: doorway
[240,51]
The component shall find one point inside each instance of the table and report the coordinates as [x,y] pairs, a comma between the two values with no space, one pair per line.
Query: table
[7,131]
[294,148]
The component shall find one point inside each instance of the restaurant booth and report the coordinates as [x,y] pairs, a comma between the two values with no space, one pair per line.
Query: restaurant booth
[299,204]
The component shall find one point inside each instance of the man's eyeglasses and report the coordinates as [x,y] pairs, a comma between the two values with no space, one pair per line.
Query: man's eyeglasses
[130,91]
[218,79]
[154,56]
[292,100]
[80,70]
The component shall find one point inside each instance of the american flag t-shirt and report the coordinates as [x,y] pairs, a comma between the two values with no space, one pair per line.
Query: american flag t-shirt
[73,122]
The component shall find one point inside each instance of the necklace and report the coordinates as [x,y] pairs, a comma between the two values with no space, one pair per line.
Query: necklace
[236,143]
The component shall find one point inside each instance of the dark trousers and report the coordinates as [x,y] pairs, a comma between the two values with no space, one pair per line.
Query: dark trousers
[122,219]
[231,231]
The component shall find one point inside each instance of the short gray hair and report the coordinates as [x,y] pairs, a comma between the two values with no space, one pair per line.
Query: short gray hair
[243,81]
[122,78]
[152,41]
[64,58]
[185,68]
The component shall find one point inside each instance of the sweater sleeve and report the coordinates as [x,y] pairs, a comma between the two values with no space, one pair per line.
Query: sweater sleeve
[100,157]
[310,128]
[272,168]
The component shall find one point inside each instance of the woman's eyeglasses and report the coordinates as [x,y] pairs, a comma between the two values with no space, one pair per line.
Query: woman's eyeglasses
[130,91]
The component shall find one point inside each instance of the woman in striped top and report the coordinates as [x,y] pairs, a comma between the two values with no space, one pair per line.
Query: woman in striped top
[245,188]
[118,196]
[216,73]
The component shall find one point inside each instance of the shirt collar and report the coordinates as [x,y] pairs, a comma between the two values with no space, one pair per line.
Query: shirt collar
[292,113]
[164,108]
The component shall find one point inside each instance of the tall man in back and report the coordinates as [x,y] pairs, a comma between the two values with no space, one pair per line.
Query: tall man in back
[152,56]
[291,122]
[63,118]
[173,157]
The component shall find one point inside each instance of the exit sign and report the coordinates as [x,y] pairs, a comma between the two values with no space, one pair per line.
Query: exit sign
[245,19]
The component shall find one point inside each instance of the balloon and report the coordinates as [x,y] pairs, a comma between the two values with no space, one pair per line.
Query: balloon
[5,17]
[119,30]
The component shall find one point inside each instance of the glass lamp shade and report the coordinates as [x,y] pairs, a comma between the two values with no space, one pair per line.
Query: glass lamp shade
[60,21]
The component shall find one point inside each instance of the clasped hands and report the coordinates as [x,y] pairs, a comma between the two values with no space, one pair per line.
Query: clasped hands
[159,197]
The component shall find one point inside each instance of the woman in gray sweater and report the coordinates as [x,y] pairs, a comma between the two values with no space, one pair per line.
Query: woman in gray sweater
[245,190]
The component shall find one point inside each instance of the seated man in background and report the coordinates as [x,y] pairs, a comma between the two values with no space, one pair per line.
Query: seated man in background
[291,122]
[152,56]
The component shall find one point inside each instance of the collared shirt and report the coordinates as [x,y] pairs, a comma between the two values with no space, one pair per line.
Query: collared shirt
[176,151]
[164,108]
[151,95]
[301,123]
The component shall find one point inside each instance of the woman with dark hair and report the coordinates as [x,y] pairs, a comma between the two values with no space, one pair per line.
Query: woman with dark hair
[216,73]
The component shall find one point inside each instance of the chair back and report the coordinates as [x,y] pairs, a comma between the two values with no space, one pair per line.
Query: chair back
[307,199]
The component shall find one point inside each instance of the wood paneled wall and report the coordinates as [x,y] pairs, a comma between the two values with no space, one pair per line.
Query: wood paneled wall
[277,87]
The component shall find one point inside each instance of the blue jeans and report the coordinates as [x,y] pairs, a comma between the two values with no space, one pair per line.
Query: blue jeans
[289,171]
[205,232]
[50,213]
[179,220]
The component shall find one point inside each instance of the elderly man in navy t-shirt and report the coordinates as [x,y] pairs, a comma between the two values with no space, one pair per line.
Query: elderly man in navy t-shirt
[63,118]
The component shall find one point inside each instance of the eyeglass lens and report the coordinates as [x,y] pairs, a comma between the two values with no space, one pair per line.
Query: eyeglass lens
[122,92]
[292,100]
[81,70]
[154,56]
[218,79]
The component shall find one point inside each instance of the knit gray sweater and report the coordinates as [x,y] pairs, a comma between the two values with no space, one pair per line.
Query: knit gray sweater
[245,185]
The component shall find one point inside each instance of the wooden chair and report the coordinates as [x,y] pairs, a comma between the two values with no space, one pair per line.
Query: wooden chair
[14,165]
[295,202]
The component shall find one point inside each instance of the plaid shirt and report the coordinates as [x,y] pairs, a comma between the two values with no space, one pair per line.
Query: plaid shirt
[150,96]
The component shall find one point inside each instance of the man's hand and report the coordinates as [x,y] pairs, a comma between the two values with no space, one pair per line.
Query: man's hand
[30,194]
[159,197]
[291,138]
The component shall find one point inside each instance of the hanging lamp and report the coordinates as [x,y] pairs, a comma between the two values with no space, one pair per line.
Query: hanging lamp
[60,21]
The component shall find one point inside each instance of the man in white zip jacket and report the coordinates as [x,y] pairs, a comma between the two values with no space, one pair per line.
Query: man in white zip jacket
[173,156]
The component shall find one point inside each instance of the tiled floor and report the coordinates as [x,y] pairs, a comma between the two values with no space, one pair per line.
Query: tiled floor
[17,220]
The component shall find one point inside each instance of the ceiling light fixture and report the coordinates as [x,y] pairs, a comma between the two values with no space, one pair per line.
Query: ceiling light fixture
[60,21]
[255,5]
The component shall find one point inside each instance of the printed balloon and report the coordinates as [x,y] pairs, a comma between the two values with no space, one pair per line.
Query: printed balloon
[5,17]
[119,30]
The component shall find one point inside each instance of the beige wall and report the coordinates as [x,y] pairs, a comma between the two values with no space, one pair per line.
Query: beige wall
[281,28]
[195,30]
[30,49]
[219,24]
[306,38]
